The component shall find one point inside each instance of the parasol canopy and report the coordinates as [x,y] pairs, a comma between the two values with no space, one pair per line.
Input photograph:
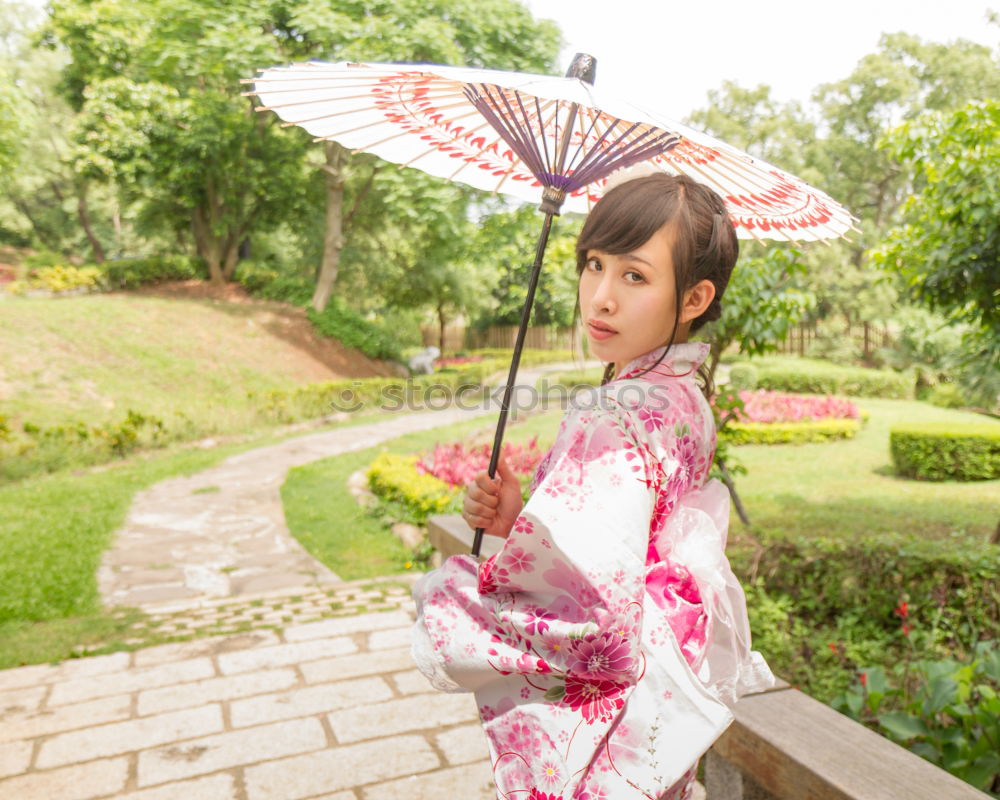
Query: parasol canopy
[519,134]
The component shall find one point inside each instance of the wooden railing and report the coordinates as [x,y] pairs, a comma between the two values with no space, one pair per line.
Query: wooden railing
[783,744]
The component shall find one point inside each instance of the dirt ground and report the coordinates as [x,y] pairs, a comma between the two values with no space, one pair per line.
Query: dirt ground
[319,358]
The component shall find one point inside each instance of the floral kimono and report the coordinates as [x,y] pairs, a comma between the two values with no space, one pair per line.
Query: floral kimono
[608,639]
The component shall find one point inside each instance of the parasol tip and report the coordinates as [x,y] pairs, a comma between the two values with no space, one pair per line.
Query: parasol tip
[584,67]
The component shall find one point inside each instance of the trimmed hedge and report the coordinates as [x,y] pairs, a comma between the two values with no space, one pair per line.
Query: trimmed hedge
[811,377]
[395,478]
[946,451]
[392,394]
[953,586]
[823,430]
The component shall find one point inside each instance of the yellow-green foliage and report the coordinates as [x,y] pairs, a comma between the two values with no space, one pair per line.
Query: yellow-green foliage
[823,430]
[946,452]
[58,279]
[395,477]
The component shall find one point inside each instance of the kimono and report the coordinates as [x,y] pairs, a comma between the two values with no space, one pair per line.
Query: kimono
[608,639]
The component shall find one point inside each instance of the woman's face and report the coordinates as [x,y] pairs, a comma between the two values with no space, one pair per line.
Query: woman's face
[633,295]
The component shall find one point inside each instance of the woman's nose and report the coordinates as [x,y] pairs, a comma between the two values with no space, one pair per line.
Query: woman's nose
[603,299]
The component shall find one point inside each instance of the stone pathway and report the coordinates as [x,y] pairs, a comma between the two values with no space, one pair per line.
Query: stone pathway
[222,532]
[328,710]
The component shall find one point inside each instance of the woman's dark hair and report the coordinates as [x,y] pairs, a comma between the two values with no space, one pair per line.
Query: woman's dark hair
[705,246]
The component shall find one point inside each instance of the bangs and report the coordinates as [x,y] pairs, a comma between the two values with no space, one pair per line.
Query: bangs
[628,216]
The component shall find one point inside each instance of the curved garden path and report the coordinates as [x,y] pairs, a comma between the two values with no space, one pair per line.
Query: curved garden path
[222,533]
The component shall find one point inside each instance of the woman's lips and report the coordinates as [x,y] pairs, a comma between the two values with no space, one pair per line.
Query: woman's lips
[599,333]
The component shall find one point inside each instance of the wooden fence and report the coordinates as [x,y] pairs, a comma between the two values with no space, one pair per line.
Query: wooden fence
[869,337]
[540,337]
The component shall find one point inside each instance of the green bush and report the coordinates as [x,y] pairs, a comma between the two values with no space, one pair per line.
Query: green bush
[743,377]
[946,451]
[946,711]
[955,588]
[395,478]
[810,377]
[823,430]
[271,285]
[128,273]
[59,278]
[947,395]
[47,449]
[350,328]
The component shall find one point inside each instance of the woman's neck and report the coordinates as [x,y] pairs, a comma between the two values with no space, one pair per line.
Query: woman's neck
[620,366]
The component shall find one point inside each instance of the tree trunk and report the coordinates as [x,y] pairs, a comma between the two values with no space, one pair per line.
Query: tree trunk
[84,214]
[728,480]
[442,320]
[996,535]
[333,239]
[208,245]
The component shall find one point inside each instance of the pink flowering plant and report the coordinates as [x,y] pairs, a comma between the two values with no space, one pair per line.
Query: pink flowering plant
[457,463]
[455,361]
[765,406]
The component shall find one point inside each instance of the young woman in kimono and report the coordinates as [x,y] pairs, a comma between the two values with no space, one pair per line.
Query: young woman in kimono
[608,640]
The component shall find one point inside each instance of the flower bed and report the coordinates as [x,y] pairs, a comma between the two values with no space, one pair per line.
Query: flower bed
[434,483]
[781,418]
[456,464]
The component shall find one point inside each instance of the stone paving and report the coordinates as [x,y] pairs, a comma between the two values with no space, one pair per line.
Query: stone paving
[327,710]
[222,531]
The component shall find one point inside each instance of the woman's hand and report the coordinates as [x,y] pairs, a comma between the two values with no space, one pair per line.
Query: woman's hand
[493,505]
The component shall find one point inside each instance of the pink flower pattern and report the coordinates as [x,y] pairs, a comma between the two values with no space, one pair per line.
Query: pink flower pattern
[576,612]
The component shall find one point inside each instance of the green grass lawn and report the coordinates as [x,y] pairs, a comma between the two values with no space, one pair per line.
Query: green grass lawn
[847,487]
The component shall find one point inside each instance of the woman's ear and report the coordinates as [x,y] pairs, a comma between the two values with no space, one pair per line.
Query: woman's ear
[696,300]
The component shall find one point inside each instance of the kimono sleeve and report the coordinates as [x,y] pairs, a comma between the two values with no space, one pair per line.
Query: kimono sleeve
[548,631]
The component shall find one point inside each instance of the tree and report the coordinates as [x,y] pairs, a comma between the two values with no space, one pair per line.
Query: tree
[948,246]
[505,245]
[499,34]
[155,85]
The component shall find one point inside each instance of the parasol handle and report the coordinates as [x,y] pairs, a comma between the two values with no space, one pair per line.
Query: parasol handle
[536,268]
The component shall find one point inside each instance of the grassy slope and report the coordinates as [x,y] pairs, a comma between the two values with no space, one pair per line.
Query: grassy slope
[92,357]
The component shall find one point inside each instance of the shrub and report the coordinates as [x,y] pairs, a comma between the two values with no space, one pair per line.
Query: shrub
[456,464]
[128,273]
[813,377]
[947,395]
[955,588]
[789,432]
[47,449]
[396,478]
[743,377]
[945,711]
[58,279]
[266,283]
[346,325]
[946,452]
[764,406]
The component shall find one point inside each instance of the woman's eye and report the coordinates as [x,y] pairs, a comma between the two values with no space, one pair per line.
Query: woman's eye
[638,277]
[593,263]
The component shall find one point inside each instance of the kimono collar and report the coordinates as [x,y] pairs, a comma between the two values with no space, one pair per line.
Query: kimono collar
[683,359]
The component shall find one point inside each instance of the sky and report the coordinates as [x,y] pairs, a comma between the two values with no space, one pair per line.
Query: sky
[669,55]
